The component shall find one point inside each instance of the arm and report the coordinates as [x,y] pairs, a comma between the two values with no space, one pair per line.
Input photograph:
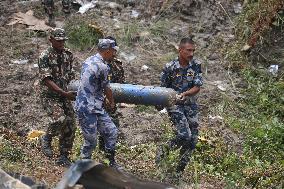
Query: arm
[52,86]
[191,92]
[45,75]
[197,82]
[109,97]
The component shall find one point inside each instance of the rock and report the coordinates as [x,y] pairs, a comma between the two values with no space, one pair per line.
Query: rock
[128,56]
[273,69]
[19,61]
[213,56]
[222,88]
[246,47]
[144,68]
[237,8]
[134,14]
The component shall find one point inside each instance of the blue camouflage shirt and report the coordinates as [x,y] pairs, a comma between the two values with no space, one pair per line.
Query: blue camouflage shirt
[94,79]
[180,78]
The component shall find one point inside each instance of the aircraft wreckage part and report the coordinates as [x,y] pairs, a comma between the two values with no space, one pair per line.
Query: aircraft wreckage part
[138,94]
[92,175]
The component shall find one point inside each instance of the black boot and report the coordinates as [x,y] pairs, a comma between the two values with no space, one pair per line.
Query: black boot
[46,145]
[63,160]
[110,154]
[162,152]
[185,153]
[101,143]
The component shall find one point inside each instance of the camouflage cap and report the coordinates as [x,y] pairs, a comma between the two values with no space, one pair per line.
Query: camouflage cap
[107,44]
[58,34]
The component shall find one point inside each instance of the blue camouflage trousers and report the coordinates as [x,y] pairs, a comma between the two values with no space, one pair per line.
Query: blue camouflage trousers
[185,120]
[90,123]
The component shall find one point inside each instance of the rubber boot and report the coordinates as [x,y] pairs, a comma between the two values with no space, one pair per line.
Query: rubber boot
[110,155]
[162,152]
[185,153]
[46,145]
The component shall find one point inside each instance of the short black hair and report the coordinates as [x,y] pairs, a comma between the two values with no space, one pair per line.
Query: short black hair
[186,40]
[112,38]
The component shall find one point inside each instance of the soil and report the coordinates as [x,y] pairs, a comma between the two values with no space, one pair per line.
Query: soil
[207,21]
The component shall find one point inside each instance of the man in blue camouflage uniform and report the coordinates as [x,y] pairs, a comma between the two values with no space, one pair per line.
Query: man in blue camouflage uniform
[115,75]
[94,89]
[55,72]
[49,10]
[184,76]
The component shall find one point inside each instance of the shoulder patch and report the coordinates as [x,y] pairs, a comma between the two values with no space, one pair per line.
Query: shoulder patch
[171,64]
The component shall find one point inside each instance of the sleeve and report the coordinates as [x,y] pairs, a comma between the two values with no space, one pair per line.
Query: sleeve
[72,71]
[198,80]
[166,77]
[44,68]
[101,75]
[104,77]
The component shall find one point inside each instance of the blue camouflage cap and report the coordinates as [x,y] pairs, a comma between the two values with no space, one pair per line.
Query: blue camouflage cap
[107,44]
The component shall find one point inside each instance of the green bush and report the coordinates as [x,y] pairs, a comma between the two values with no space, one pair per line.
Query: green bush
[11,153]
[82,34]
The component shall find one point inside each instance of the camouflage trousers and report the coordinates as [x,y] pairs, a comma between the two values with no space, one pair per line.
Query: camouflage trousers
[90,123]
[61,119]
[115,119]
[185,120]
[49,6]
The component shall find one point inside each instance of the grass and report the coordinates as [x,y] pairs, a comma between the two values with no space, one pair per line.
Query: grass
[83,33]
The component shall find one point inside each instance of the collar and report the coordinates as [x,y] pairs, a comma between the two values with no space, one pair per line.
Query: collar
[55,52]
[179,66]
[99,56]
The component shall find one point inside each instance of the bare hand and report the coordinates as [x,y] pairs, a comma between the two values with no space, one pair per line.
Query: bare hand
[70,95]
[180,99]
[110,106]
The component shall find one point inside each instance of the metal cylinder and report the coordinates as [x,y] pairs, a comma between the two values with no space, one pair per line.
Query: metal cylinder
[146,95]
[138,94]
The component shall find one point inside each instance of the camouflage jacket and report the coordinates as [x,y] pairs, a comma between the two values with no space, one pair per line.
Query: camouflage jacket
[182,79]
[57,67]
[116,73]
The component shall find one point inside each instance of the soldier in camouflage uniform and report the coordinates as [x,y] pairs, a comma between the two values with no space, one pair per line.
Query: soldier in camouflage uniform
[94,89]
[49,10]
[116,75]
[55,72]
[184,76]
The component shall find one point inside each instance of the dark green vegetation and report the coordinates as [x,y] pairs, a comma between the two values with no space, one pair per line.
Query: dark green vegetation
[83,34]
[257,114]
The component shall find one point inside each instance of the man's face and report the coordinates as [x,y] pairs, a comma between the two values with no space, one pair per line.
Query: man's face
[186,51]
[57,44]
[111,53]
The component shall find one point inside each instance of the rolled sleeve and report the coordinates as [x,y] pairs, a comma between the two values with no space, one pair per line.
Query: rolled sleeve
[105,80]
[198,80]
[165,77]
[44,68]
[72,71]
